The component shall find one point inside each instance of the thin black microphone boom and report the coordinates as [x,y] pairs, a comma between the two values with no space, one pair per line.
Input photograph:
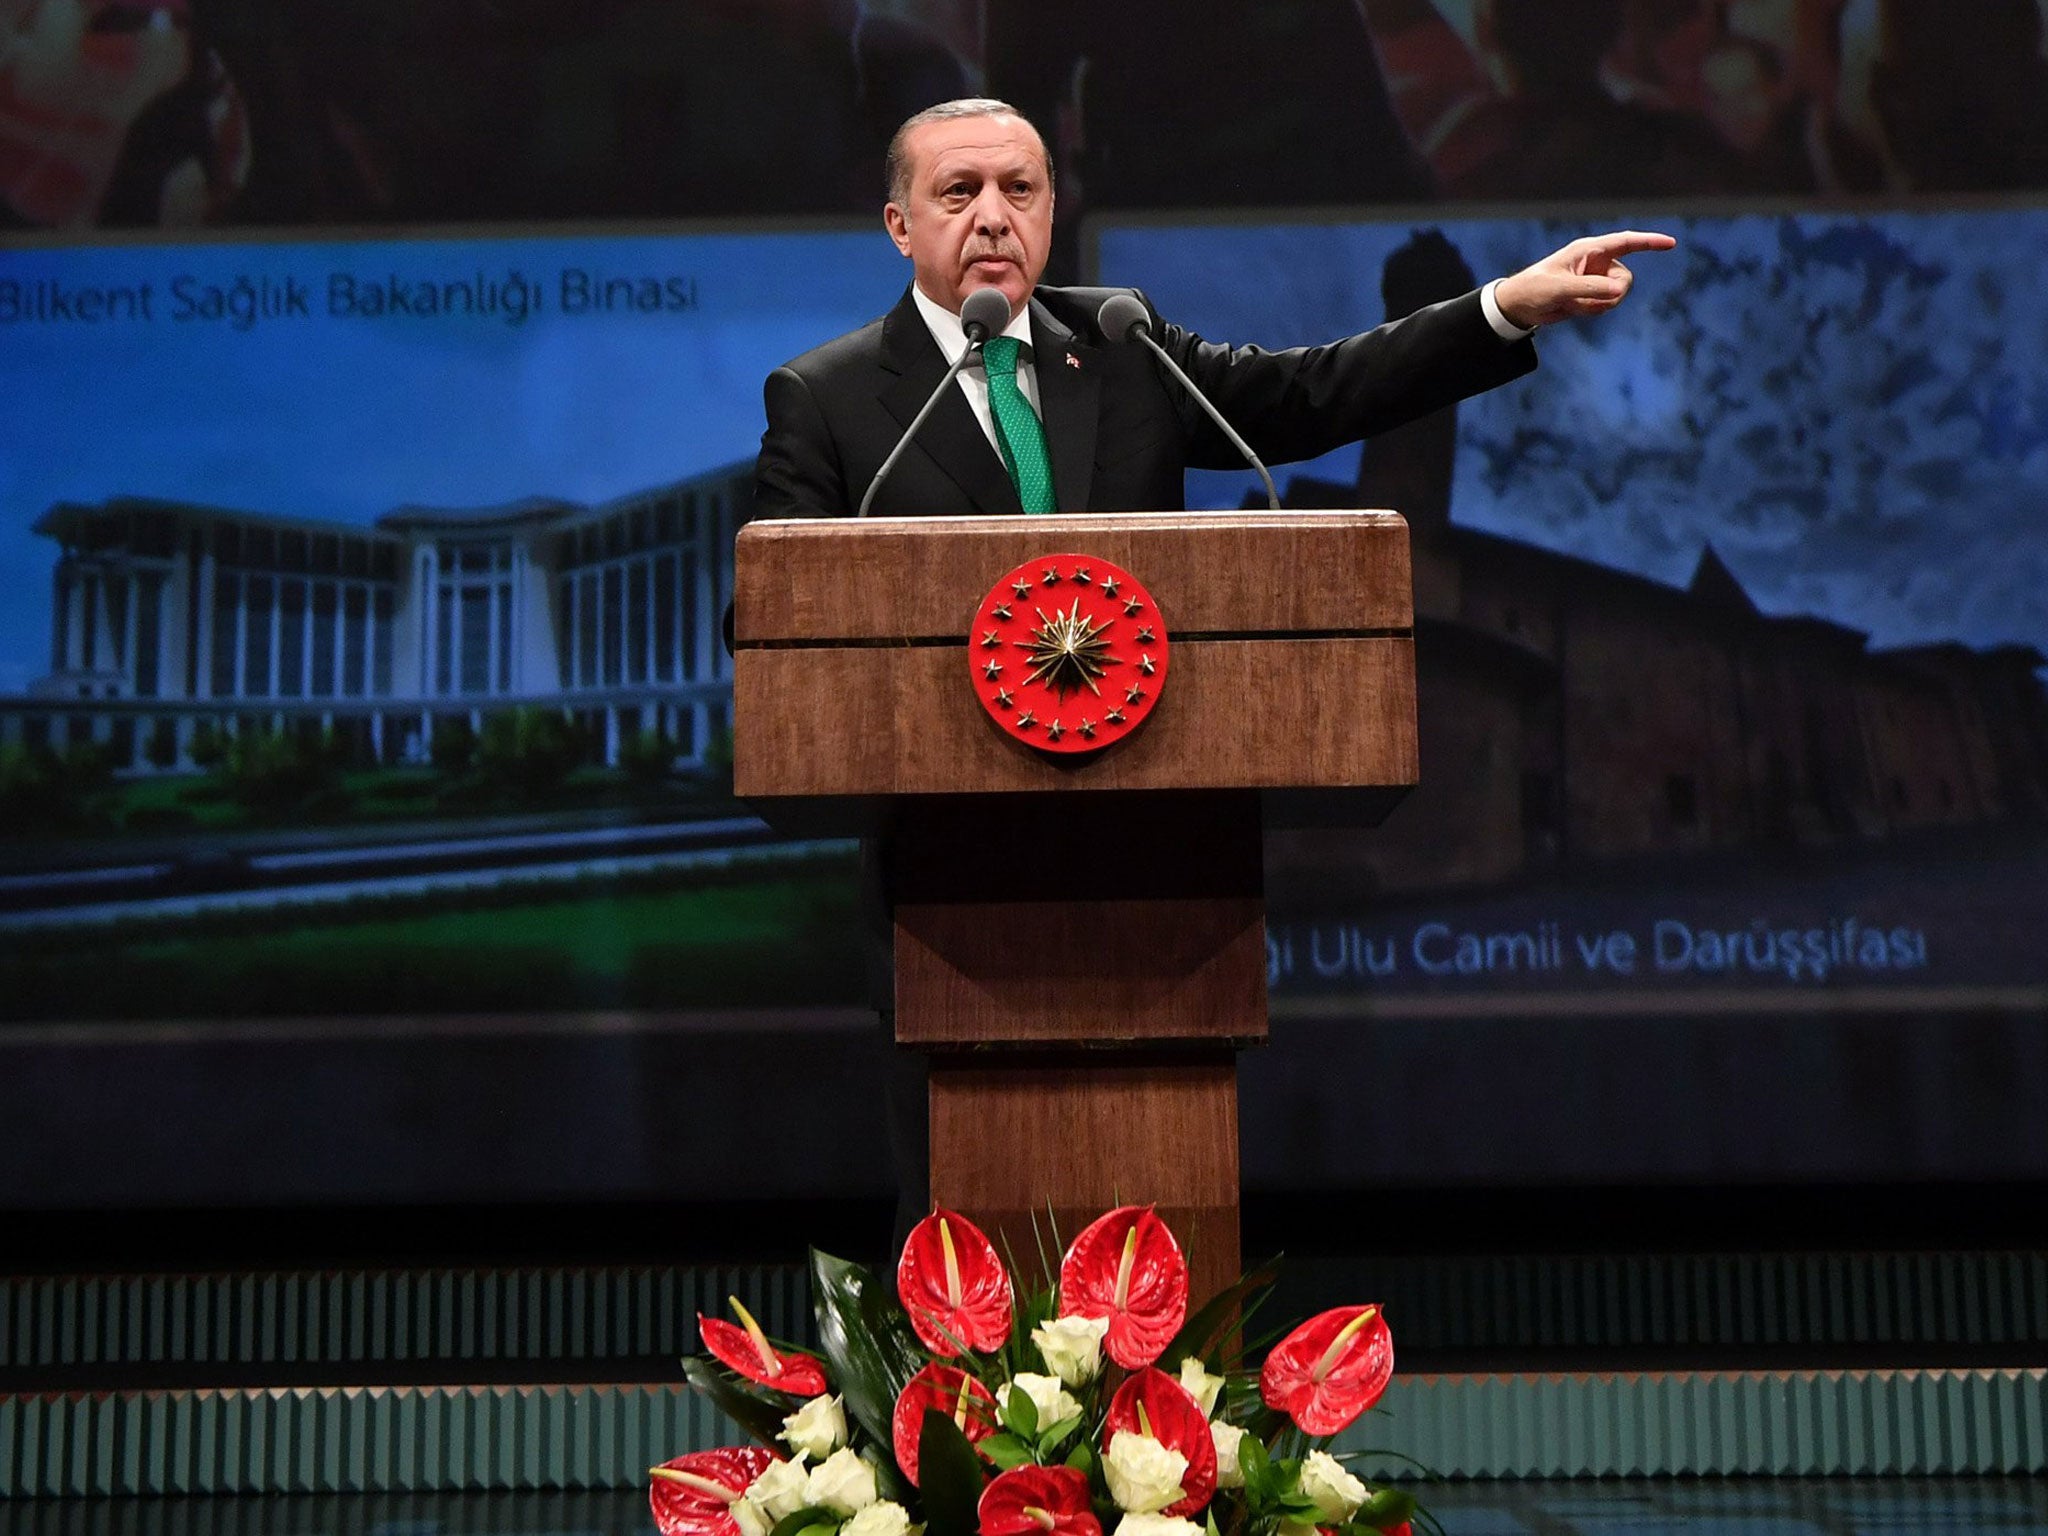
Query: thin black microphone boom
[1123,318]
[984,314]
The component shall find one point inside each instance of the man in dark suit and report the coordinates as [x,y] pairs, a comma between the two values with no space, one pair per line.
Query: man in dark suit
[1068,420]
[1056,417]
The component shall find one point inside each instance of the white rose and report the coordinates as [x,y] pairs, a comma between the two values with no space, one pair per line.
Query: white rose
[751,1521]
[1072,1347]
[887,1518]
[816,1429]
[1335,1492]
[1200,1385]
[1157,1525]
[1144,1476]
[1052,1401]
[842,1482]
[1227,1437]
[779,1490]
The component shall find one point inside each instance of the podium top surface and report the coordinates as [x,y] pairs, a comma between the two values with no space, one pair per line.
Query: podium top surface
[919,579]
[1293,669]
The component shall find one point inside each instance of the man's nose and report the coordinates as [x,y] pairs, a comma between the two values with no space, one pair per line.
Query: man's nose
[992,213]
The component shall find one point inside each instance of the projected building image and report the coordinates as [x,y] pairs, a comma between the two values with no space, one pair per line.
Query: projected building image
[170,617]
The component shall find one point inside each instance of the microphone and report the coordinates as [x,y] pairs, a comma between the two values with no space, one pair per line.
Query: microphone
[984,314]
[1123,318]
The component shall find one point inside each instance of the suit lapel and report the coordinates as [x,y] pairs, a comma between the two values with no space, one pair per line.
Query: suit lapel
[1069,394]
[951,436]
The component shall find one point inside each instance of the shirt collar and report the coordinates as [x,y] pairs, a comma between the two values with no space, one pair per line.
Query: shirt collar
[952,339]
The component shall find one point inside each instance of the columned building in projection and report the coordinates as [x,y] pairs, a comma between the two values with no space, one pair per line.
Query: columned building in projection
[170,616]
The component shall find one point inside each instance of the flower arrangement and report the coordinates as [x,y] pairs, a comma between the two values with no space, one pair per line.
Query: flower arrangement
[1091,1407]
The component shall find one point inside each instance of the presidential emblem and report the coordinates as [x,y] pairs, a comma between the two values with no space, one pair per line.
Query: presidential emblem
[1068,653]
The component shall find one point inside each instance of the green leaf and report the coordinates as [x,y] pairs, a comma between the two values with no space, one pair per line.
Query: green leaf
[860,1341]
[1390,1506]
[1020,1414]
[1082,1459]
[1200,1334]
[811,1517]
[889,1483]
[1256,1466]
[758,1417]
[1056,1434]
[1007,1451]
[949,1476]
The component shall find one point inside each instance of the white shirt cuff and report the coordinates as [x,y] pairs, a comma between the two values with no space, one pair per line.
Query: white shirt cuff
[1503,327]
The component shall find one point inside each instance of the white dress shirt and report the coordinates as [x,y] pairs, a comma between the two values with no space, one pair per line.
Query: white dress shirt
[973,379]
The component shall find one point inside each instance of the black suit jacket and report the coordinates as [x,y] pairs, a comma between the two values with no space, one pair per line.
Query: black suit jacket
[1120,430]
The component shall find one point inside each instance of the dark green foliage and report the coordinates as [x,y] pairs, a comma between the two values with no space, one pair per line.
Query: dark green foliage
[949,1476]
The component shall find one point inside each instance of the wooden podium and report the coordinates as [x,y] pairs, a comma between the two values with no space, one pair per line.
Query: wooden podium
[1079,943]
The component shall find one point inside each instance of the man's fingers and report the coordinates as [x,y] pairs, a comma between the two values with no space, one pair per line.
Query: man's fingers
[1594,285]
[1623,242]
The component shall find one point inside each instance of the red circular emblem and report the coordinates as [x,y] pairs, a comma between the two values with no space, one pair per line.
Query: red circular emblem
[1068,653]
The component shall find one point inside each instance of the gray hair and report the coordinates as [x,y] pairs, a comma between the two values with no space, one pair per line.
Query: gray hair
[945,111]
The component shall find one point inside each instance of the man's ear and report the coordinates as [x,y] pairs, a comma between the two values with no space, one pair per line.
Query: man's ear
[897,222]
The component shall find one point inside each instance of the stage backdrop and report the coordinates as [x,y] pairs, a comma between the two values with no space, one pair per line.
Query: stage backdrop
[362,717]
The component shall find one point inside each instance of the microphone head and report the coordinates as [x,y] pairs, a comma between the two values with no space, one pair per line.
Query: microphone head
[1122,317]
[985,314]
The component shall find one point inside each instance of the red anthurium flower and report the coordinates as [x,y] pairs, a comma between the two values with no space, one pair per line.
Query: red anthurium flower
[1035,1501]
[694,1494]
[952,1392]
[746,1349]
[1330,1369]
[1150,1402]
[951,1281]
[1127,1267]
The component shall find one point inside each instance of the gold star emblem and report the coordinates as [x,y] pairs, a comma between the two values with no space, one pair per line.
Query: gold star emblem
[1052,576]
[1002,610]
[1145,635]
[1003,699]
[1114,717]
[1134,695]
[1132,607]
[1081,575]
[1109,587]
[993,670]
[1087,728]
[1068,651]
[1055,731]
[1146,666]
[1026,720]
[990,640]
[1021,587]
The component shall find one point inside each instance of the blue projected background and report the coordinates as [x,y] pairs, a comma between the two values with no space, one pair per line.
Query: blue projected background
[1849,407]
[351,409]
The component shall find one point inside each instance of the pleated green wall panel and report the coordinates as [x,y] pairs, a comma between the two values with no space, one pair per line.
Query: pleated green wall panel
[425,1439]
[313,1319]
[300,1321]
[1679,1301]
[1715,1424]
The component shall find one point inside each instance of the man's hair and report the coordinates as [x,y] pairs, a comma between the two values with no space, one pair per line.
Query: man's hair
[966,106]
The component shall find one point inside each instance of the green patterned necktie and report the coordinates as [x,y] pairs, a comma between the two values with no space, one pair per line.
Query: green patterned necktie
[1017,429]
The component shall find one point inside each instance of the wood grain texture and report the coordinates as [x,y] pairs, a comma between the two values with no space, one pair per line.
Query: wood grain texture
[1094,921]
[1085,1136]
[876,579]
[1235,714]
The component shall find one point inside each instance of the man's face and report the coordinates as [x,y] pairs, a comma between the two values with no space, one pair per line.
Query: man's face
[980,209]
